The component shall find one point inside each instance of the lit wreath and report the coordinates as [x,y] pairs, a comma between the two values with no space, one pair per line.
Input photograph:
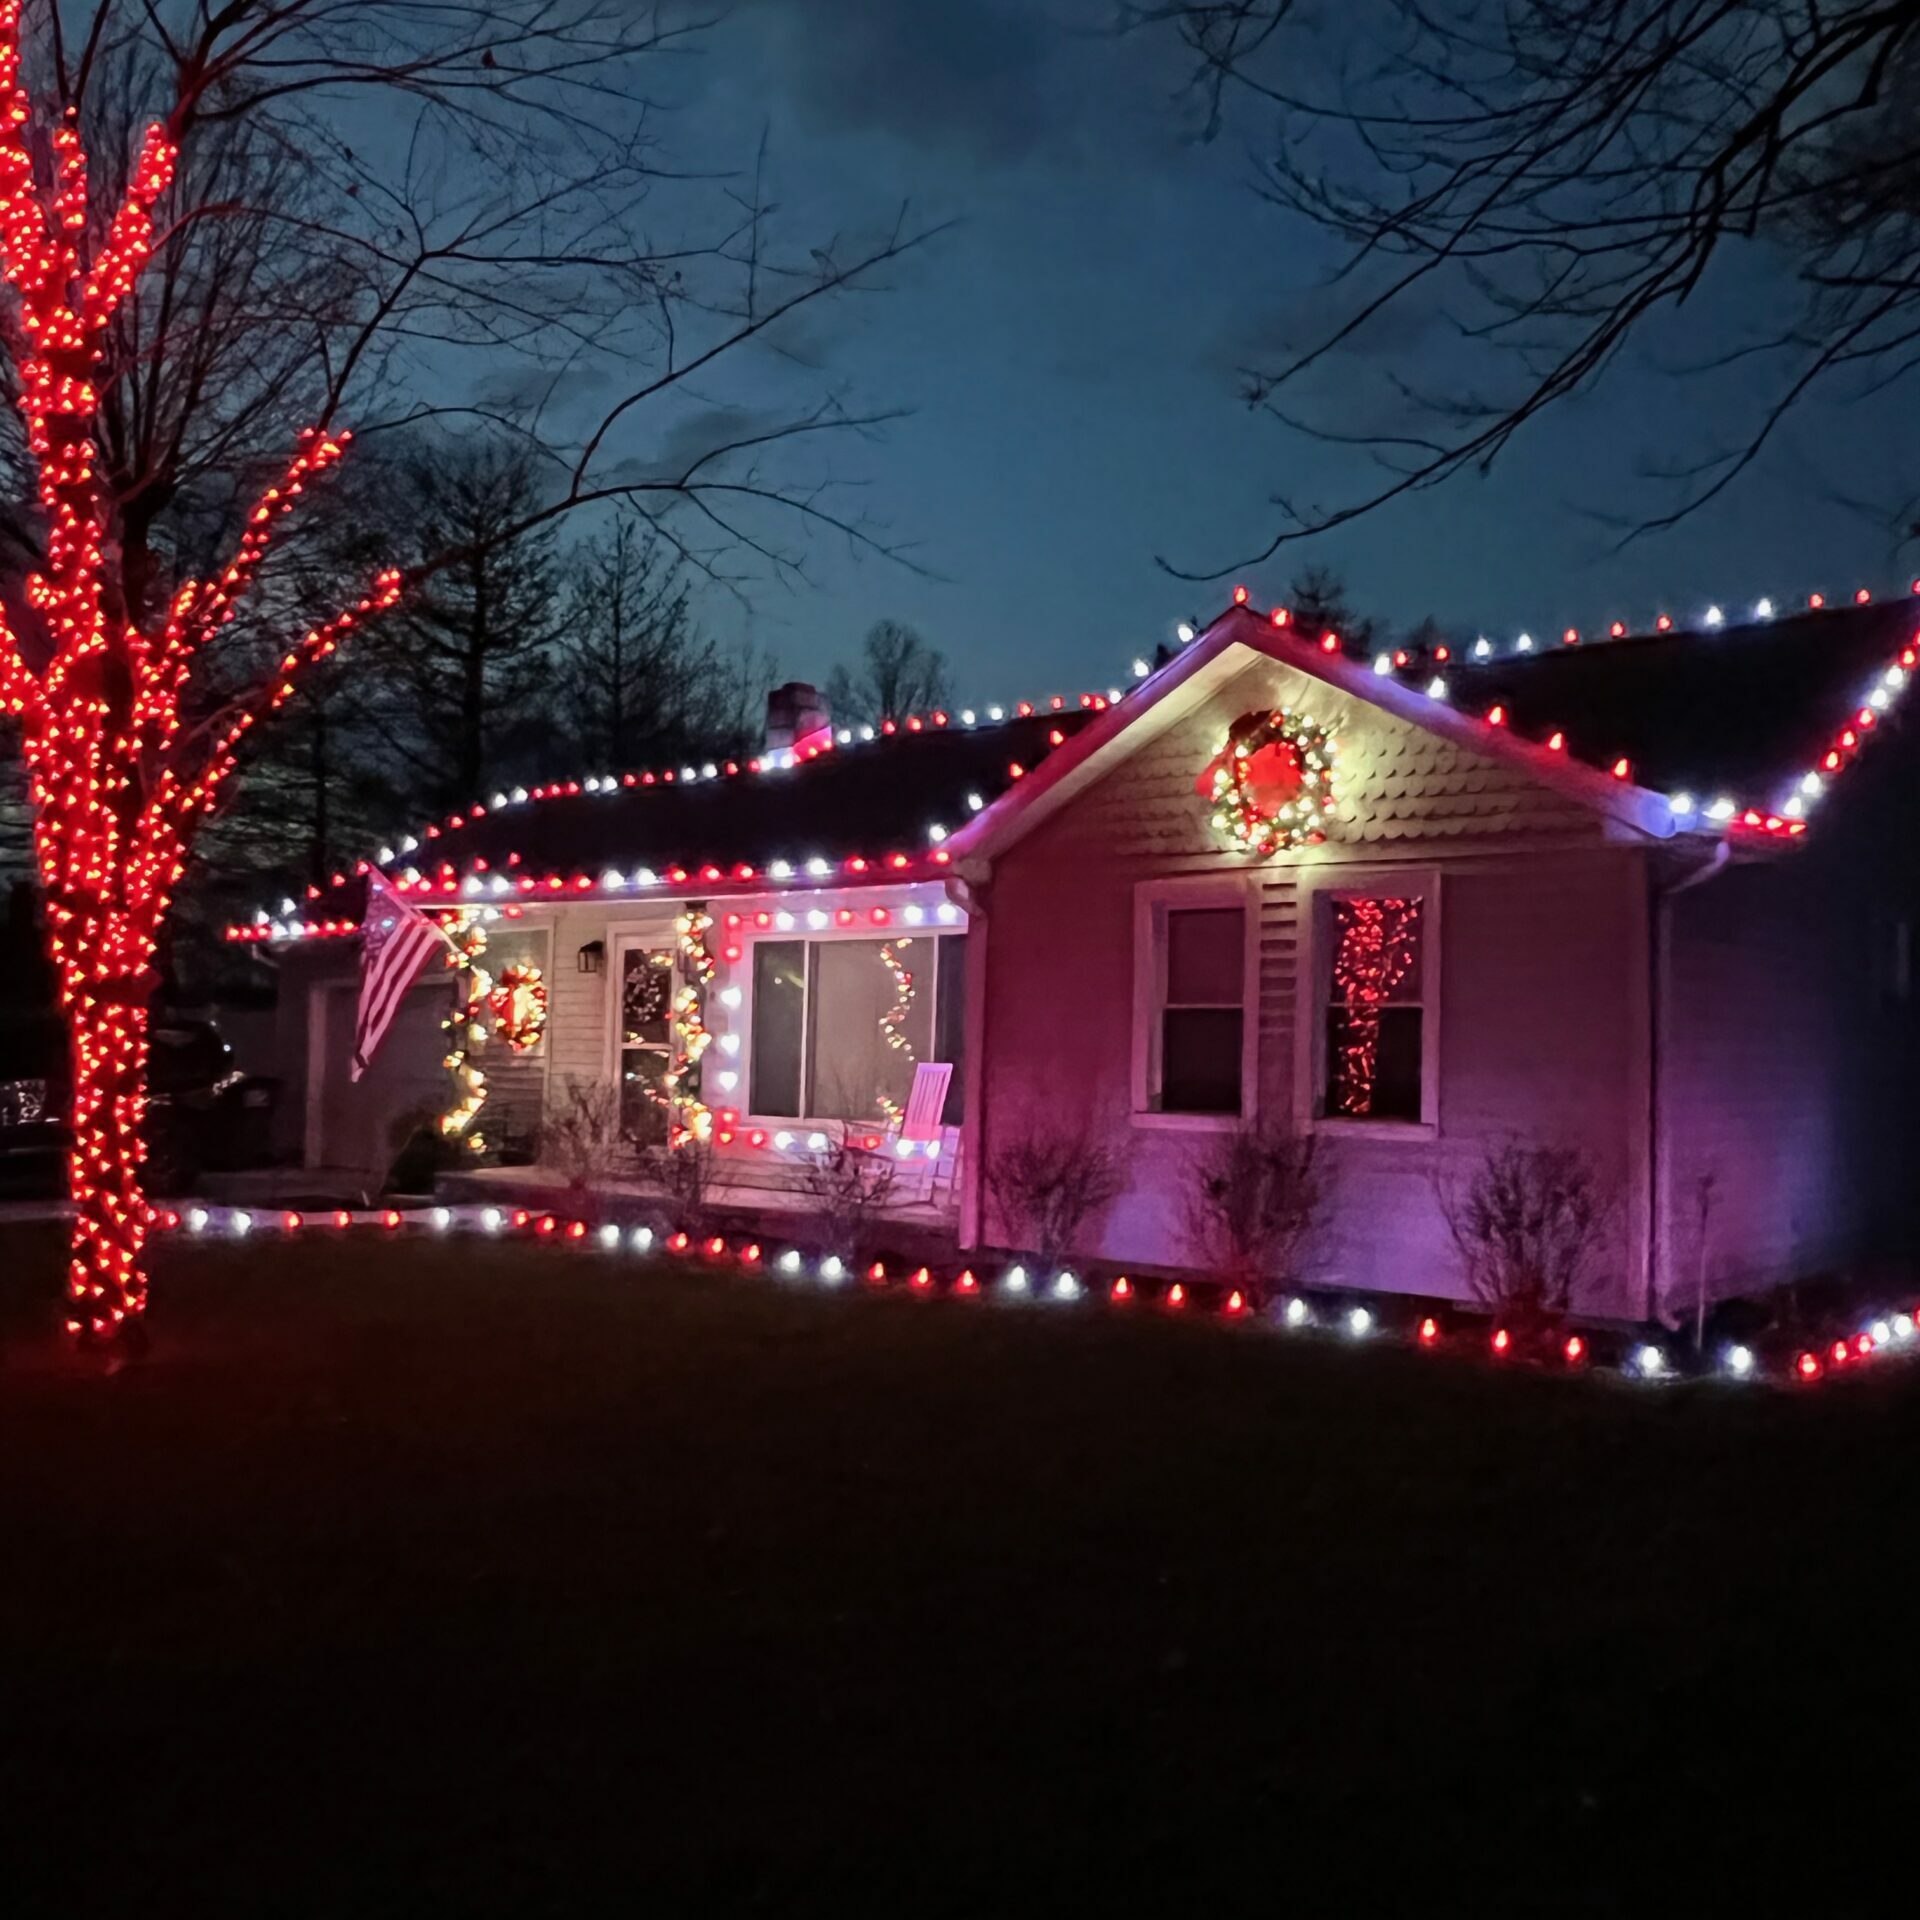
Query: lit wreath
[518,1003]
[1271,785]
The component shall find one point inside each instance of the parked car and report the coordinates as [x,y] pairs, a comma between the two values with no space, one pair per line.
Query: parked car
[203,1112]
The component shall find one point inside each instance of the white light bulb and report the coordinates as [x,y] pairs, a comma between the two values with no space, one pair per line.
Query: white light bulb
[609,1236]
[1067,1287]
[783,920]
[783,1140]
[845,736]
[1383,663]
[613,881]
[1680,802]
[967,716]
[1359,1322]
[1739,1361]
[646,877]
[1722,809]
[996,713]
[832,1268]
[914,915]
[1184,631]
[1763,609]
[1016,1280]
[491,1219]
[241,1222]
[1715,617]
[729,1043]
[442,1218]
[197,1219]
[817,1141]
[1436,688]
[1525,643]
[1141,669]
[936,834]
[642,1239]
[729,996]
[818,867]
[974,803]
[727,1081]
[789,1262]
[1649,1362]
[1482,648]
[816,918]
[949,913]
[780,870]
[1298,1312]
[866,733]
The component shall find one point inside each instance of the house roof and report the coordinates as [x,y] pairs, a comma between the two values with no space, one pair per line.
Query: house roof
[1742,711]
[1713,730]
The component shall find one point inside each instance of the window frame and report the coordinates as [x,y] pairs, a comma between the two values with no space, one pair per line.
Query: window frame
[1313,997]
[1152,901]
[743,1017]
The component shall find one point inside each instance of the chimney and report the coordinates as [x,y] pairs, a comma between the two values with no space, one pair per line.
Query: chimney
[796,716]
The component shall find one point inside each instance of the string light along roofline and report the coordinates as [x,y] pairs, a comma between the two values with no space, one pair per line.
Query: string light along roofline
[1424,673]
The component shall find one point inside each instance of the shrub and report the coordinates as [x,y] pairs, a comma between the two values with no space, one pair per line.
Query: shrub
[851,1187]
[581,1135]
[1251,1200]
[1529,1225]
[1050,1182]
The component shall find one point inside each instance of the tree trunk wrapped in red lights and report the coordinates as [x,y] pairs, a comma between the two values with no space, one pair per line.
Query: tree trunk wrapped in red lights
[119,783]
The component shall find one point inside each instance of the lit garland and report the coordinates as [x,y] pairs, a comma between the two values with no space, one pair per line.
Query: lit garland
[1379,942]
[518,1003]
[1272,783]
[692,1119]
[119,782]
[466,1028]
[893,1022]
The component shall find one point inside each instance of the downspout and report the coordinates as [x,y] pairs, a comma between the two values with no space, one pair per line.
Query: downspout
[971,898]
[1659,1001]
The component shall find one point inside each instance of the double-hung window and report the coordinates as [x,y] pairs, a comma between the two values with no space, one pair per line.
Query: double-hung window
[838,1026]
[1376,979]
[1192,1030]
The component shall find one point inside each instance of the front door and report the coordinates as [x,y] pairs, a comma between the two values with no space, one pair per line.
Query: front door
[643,1033]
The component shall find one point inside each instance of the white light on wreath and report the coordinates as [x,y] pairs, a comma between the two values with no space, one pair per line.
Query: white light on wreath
[1270,787]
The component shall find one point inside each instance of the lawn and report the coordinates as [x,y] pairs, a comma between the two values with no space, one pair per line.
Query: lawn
[407,1579]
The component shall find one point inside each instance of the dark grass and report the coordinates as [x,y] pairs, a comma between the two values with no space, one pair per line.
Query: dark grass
[414,1580]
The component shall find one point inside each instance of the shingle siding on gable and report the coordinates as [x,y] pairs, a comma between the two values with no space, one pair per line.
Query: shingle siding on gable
[1540,997]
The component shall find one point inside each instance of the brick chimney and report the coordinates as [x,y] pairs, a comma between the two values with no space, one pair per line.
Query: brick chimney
[796,715]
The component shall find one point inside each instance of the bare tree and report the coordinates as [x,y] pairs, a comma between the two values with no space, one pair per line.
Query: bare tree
[640,677]
[1542,180]
[898,674]
[503,218]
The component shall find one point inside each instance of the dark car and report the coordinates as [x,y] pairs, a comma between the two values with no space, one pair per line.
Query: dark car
[202,1111]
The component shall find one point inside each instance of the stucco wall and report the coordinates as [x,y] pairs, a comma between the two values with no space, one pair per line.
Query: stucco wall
[1541,991]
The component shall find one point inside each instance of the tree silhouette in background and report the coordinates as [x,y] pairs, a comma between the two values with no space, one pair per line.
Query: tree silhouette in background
[898,674]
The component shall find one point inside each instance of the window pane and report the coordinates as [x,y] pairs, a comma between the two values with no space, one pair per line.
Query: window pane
[646,995]
[779,1012]
[1373,1063]
[1378,950]
[857,1001]
[1205,956]
[950,1035]
[1200,1060]
[643,1075]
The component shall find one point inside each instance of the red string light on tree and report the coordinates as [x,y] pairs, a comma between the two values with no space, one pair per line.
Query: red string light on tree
[1378,942]
[1271,785]
[118,782]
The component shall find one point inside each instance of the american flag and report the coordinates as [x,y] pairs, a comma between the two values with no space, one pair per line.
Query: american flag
[395,940]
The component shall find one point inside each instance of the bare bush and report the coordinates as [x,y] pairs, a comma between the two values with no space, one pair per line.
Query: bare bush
[582,1132]
[1051,1181]
[851,1187]
[685,1174]
[1529,1225]
[1251,1201]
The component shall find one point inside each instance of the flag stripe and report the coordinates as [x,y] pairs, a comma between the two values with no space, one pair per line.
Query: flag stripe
[395,940]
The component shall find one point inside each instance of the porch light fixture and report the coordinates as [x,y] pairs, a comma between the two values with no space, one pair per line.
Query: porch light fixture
[591,957]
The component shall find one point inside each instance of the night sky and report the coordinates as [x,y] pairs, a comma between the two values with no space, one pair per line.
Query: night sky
[1070,358]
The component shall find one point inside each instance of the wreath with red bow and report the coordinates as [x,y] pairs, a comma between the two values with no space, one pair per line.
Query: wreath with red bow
[1271,785]
[518,1003]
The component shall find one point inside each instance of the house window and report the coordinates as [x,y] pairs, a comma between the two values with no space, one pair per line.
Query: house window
[1199,1011]
[839,1025]
[1376,971]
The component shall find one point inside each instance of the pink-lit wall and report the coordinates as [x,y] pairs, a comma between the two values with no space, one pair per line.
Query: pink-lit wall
[1790,1073]
[1542,998]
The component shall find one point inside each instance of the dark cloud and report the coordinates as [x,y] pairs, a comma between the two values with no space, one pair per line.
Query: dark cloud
[979,77]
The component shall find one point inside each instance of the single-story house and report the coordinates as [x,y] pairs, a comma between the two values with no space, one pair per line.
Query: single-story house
[1627,893]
